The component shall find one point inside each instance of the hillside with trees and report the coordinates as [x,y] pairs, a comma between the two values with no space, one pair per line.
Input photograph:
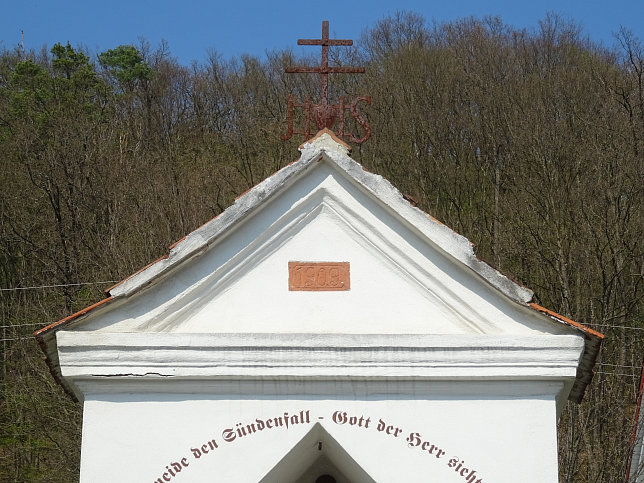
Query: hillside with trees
[529,143]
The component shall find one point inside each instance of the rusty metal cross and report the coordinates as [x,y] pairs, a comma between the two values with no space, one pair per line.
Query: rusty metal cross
[325,114]
[324,70]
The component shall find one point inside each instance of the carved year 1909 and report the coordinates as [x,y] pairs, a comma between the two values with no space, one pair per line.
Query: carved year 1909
[318,276]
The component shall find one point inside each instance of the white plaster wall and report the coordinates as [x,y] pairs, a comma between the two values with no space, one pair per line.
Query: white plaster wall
[131,438]
[261,302]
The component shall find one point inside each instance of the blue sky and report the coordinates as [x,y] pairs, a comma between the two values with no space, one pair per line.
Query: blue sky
[233,27]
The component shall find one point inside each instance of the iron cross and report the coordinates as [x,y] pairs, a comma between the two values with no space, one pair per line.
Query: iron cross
[324,114]
[324,70]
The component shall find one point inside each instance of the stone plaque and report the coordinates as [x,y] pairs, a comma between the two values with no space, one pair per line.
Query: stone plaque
[318,276]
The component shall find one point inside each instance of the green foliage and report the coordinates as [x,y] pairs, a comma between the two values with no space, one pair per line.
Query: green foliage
[126,65]
[29,91]
[69,62]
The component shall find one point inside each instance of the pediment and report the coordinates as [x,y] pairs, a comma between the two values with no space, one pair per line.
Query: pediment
[417,294]
[317,454]
[401,281]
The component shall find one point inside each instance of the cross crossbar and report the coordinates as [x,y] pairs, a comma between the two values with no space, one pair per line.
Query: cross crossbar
[324,70]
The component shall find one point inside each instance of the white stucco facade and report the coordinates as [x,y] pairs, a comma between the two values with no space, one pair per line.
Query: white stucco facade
[430,436]
[209,366]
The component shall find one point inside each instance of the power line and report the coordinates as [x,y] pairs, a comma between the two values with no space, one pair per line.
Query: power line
[620,327]
[619,365]
[36,287]
[617,374]
[32,324]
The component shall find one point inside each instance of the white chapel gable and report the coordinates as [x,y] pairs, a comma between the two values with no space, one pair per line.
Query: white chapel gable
[320,327]
[400,280]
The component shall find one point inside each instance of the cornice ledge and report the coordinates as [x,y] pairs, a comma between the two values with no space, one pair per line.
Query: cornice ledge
[257,356]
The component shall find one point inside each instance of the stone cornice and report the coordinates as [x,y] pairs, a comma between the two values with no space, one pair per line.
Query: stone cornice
[180,357]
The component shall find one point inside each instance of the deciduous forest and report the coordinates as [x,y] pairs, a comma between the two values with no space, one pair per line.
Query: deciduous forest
[529,143]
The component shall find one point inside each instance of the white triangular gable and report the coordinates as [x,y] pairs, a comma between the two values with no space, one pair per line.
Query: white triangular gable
[403,279]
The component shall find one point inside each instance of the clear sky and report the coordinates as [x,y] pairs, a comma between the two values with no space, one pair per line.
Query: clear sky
[234,27]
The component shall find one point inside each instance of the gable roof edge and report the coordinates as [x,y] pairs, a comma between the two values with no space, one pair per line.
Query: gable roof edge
[201,238]
[324,145]
[440,235]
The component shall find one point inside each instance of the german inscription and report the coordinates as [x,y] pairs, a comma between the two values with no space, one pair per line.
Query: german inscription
[375,426]
[318,276]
